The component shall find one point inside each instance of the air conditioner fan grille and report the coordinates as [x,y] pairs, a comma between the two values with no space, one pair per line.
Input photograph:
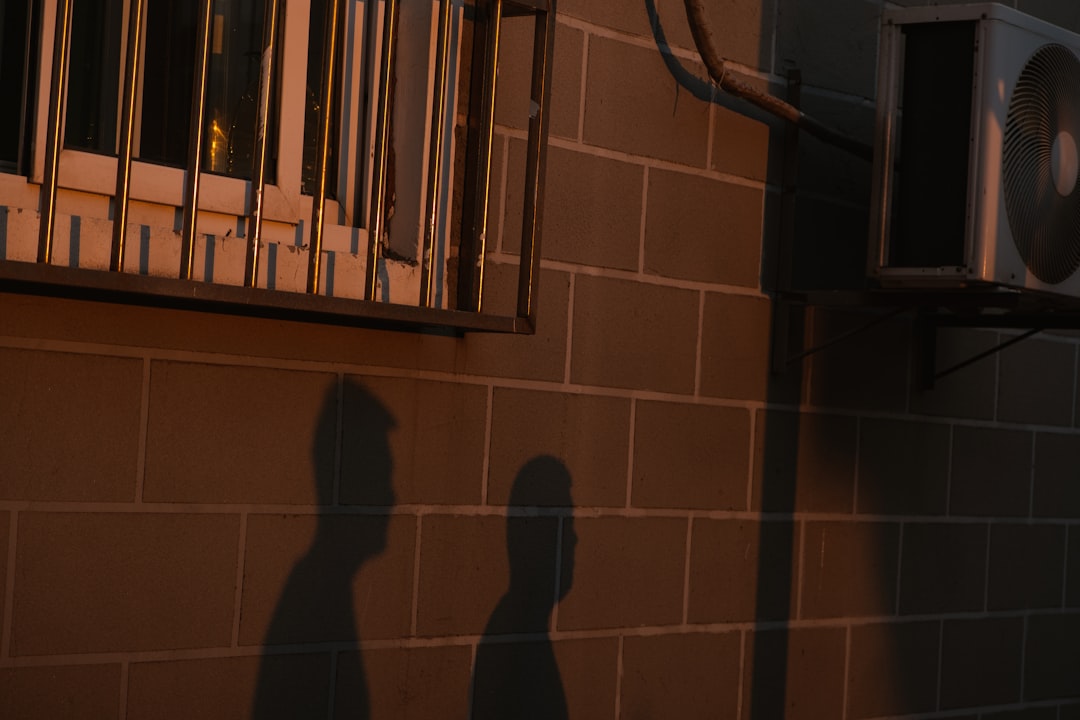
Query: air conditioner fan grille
[1045,106]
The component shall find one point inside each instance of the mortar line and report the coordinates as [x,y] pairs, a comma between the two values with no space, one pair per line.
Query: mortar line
[858,454]
[847,672]
[1076,369]
[644,219]
[997,377]
[554,622]
[619,678]
[940,653]
[948,469]
[630,453]
[144,432]
[710,136]
[742,675]
[585,34]
[485,467]
[753,462]
[1031,476]
[332,684]
[568,359]
[125,667]
[801,559]
[339,435]
[238,594]
[700,343]
[415,609]
[7,630]
[1065,571]
[986,569]
[686,570]
[899,567]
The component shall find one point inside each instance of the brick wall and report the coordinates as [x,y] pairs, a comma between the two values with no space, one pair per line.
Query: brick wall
[207,515]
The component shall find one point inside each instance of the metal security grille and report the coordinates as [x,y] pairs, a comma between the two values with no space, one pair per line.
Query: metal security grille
[380,20]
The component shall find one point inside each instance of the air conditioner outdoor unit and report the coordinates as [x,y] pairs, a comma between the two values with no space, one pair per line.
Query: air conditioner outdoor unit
[976,152]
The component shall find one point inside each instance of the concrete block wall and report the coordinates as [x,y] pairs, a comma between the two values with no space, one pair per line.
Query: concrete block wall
[624,516]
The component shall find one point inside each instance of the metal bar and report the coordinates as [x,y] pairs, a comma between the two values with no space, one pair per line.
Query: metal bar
[986,353]
[438,130]
[195,140]
[326,99]
[376,223]
[783,309]
[481,129]
[127,134]
[848,334]
[258,182]
[535,161]
[52,142]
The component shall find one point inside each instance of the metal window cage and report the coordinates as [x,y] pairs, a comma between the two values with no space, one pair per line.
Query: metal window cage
[119,285]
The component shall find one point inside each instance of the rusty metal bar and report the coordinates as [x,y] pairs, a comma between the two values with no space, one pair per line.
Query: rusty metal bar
[540,96]
[195,140]
[481,129]
[122,196]
[51,178]
[326,99]
[258,182]
[376,224]
[435,156]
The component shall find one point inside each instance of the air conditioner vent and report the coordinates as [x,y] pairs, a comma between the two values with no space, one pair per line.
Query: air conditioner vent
[1040,164]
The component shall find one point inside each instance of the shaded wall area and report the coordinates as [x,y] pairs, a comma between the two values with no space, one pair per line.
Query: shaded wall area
[213,516]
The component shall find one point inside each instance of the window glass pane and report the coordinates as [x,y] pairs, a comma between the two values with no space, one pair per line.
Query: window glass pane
[18,61]
[316,44]
[232,92]
[93,75]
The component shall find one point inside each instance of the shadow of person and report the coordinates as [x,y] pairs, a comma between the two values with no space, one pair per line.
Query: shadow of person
[520,678]
[316,605]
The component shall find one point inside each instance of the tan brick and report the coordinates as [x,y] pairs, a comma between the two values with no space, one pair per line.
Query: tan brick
[327,578]
[740,143]
[943,568]
[808,663]
[406,683]
[253,686]
[1026,564]
[148,327]
[627,572]
[691,456]
[733,580]
[5,527]
[981,662]
[592,208]
[515,75]
[968,393]
[436,443]
[803,461]
[1057,477]
[848,63]
[83,691]
[702,229]
[868,371]
[991,472]
[681,676]
[535,357]
[633,335]
[240,434]
[1036,380]
[903,467]
[112,582]
[742,29]
[464,570]
[70,425]
[633,103]
[849,569]
[735,344]
[589,434]
[893,669]
[1051,663]
[538,678]
[589,669]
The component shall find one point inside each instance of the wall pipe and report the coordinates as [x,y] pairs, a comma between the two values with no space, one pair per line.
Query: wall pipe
[725,80]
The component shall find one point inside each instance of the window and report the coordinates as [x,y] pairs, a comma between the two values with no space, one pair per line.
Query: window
[19,20]
[378,79]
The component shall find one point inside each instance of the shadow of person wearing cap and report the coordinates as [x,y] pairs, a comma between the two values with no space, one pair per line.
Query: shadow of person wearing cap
[316,605]
[520,678]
